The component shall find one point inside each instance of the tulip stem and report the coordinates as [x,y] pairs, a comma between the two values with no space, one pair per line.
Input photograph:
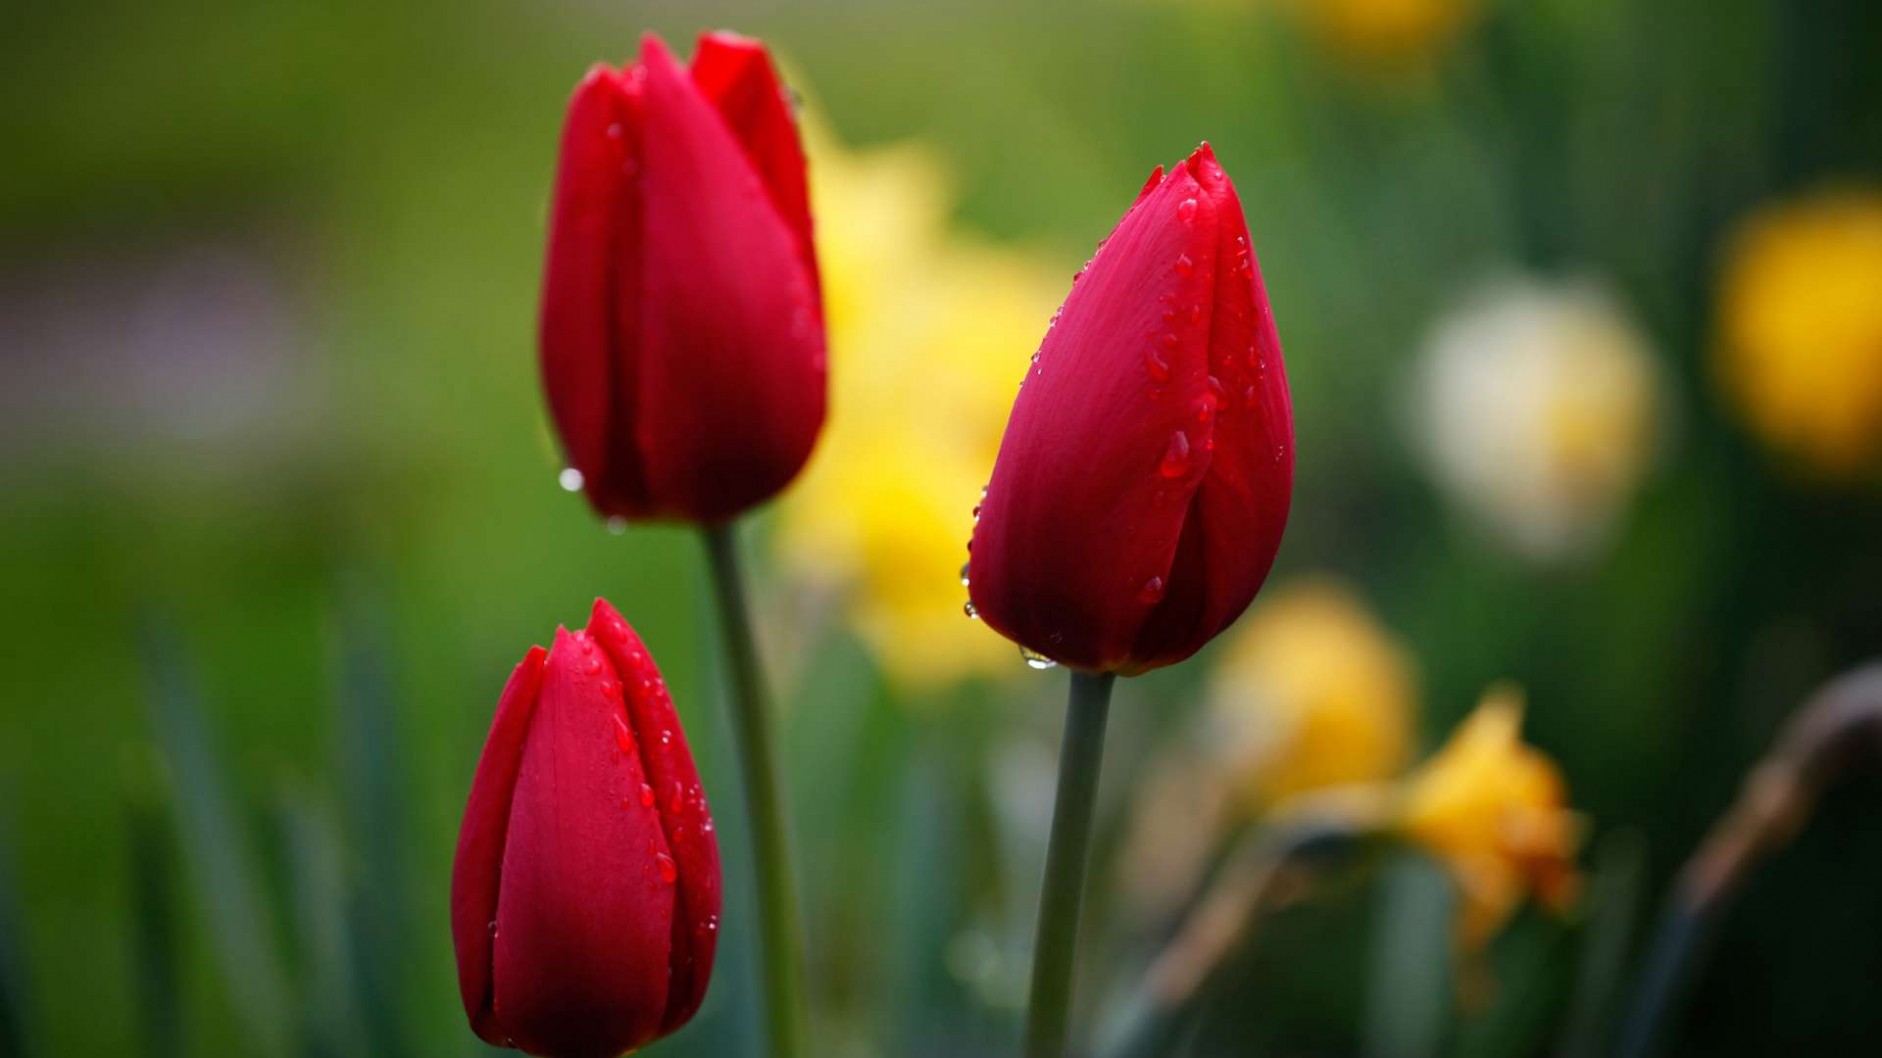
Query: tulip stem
[781,955]
[1081,756]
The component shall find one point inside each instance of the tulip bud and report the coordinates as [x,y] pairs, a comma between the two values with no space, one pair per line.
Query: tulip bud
[1141,488]
[682,325]
[585,896]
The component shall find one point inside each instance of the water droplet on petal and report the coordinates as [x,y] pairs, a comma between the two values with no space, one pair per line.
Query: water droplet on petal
[1168,341]
[666,736]
[1186,210]
[964,568]
[1152,592]
[1176,457]
[669,871]
[1036,660]
[968,609]
[1184,266]
[570,479]
[623,737]
[646,796]
[1158,367]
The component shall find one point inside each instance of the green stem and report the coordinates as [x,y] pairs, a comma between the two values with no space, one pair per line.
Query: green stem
[1055,949]
[781,946]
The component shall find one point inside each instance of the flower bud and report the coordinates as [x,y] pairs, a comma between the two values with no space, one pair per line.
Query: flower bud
[682,326]
[1141,488]
[585,896]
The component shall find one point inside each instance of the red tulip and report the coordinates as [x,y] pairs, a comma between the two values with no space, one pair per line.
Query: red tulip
[682,325]
[1142,485]
[585,897]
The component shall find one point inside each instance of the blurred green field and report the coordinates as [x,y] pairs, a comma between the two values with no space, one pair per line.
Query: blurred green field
[280,506]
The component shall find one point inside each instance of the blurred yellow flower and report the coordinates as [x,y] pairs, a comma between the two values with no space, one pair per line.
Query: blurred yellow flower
[930,334]
[1391,32]
[1493,811]
[1537,408]
[1310,692]
[1800,321]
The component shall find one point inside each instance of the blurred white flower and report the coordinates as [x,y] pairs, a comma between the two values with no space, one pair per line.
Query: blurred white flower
[1537,407]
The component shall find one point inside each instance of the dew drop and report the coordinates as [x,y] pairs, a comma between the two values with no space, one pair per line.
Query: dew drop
[1168,341]
[646,796]
[676,800]
[1152,591]
[968,609]
[669,871]
[570,479]
[1184,266]
[1186,210]
[1195,314]
[1215,387]
[1176,457]
[1158,367]
[964,568]
[666,736]
[1251,396]
[1205,410]
[623,737]
[1036,660]
[617,525]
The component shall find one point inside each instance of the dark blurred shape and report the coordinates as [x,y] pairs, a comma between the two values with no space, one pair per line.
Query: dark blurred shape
[13,987]
[1837,730]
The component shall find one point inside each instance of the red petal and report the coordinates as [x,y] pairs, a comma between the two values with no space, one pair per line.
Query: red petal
[736,74]
[1240,511]
[476,874]
[1108,440]
[732,365]
[680,802]
[584,918]
[586,324]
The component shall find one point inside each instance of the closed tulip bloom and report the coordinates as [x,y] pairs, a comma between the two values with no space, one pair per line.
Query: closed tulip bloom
[585,897]
[1143,482]
[682,329]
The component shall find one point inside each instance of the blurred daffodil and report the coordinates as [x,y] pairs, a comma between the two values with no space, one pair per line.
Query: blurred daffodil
[1311,691]
[1389,32]
[1493,811]
[930,334]
[1800,321]
[1537,409]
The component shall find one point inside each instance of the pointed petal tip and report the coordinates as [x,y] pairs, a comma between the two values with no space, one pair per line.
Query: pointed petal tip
[603,611]
[654,50]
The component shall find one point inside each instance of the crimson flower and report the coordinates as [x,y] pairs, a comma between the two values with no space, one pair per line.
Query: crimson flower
[585,896]
[1143,482]
[682,329]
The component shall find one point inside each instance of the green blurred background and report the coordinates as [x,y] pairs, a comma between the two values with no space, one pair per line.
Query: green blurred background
[280,508]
